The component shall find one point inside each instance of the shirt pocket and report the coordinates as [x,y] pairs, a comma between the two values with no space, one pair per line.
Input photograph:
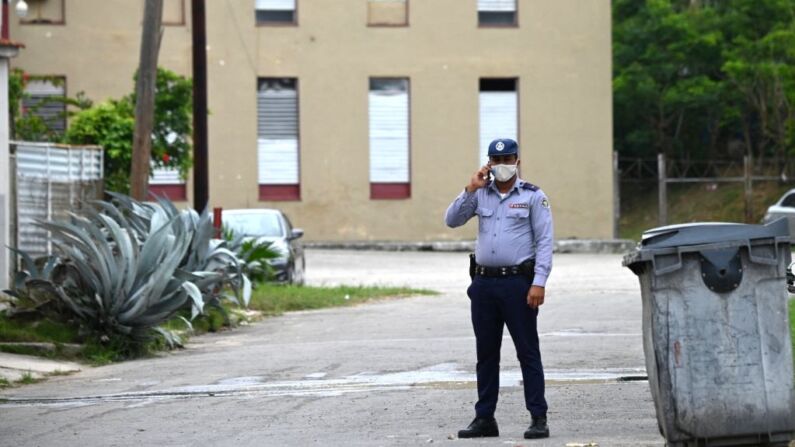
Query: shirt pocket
[486,219]
[518,217]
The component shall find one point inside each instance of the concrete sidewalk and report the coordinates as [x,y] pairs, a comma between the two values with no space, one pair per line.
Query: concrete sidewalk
[14,367]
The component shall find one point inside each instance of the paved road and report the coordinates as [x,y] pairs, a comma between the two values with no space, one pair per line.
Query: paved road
[393,372]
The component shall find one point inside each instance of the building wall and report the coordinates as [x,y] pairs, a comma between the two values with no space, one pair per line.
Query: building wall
[560,52]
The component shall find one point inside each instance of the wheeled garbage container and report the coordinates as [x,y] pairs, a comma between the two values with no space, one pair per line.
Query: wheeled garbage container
[716,332]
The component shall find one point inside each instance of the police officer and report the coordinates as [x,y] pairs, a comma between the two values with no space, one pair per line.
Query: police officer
[513,258]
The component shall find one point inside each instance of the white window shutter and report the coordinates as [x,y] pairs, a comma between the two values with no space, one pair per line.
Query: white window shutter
[165,176]
[278,161]
[498,119]
[275,5]
[497,5]
[277,136]
[39,101]
[389,136]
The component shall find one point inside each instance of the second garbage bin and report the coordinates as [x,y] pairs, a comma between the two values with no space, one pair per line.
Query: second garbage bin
[716,332]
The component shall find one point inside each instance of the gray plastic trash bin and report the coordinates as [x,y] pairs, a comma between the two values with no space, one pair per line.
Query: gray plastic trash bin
[716,332]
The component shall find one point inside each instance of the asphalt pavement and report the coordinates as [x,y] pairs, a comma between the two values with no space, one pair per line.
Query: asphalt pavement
[391,372]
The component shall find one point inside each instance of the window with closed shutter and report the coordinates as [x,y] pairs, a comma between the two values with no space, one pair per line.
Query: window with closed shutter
[44,12]
[389,137]
[277,138]
[497,12]
[164,176]
[45,99]
[167,182]
[387,12]
[498,113]
[173,12]
[275,12]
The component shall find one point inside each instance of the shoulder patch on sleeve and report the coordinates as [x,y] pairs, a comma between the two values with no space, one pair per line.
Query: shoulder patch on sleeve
[530,186]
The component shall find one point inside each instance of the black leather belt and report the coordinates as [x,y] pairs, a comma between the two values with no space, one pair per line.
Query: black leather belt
[525,268]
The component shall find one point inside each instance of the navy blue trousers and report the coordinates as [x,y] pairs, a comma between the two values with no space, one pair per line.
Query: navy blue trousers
[499,302]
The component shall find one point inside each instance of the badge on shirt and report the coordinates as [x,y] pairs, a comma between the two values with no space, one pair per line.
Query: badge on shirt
[545,203]
[519,205]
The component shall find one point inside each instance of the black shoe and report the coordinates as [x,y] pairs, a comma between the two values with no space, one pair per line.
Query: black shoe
[480,428]
[538,429]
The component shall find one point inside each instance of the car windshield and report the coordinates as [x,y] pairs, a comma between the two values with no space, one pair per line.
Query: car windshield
[263,224]
[789,201]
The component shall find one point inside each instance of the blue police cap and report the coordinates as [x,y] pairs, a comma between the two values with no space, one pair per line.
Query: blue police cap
[503,146]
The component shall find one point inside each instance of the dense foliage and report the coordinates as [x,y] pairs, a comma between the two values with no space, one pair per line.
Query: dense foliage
[111,125]
[704,78]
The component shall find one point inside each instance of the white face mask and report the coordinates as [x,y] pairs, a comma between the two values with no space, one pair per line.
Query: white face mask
[503,173]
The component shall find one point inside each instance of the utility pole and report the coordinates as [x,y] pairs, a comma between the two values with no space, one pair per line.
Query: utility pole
[749,187]
[4,21]
[200,164]
[145,99]
[662,191]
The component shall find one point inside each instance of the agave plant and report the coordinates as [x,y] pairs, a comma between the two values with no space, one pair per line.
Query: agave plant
[25,300]
[208,262]
[254,256]
[116,286]
[217,266]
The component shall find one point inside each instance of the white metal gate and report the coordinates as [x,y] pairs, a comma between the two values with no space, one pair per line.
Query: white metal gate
[50,180]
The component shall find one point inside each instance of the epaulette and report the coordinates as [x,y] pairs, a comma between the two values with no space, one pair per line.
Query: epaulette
[530,186]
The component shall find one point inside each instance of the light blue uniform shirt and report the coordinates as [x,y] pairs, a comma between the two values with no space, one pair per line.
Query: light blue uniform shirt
[511,230]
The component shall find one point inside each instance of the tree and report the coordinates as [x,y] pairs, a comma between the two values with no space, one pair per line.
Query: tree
[111,125]
[145,91]
[694,78]
[666,75]
[759,64]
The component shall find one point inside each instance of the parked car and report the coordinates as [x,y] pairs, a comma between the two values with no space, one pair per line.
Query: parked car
[785,207]
[271,225]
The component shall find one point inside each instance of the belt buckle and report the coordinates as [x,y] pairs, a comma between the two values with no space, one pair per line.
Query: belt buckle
[503,271]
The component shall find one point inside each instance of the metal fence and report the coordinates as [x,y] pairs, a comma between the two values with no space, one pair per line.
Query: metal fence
[665,171]
[50,180]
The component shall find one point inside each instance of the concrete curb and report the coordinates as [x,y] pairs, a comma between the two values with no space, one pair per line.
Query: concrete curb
[615,246]
[14,366]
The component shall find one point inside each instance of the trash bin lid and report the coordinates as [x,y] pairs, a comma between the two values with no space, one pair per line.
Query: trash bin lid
[710,232]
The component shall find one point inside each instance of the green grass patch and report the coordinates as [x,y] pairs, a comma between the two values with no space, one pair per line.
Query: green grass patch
[26,350]
[27,379]
[20,330]
[273,299]
[4,383]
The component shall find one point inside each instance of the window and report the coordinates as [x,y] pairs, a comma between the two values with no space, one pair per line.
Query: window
[389,138]
[387,12]
[44,12]
[789,201]
[277,139]
[174,12]
[45,98]
[167,182]
[275,12]
[497,13]
[498,112]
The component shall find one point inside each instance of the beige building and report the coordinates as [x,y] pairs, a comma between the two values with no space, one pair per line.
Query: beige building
[363,119]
